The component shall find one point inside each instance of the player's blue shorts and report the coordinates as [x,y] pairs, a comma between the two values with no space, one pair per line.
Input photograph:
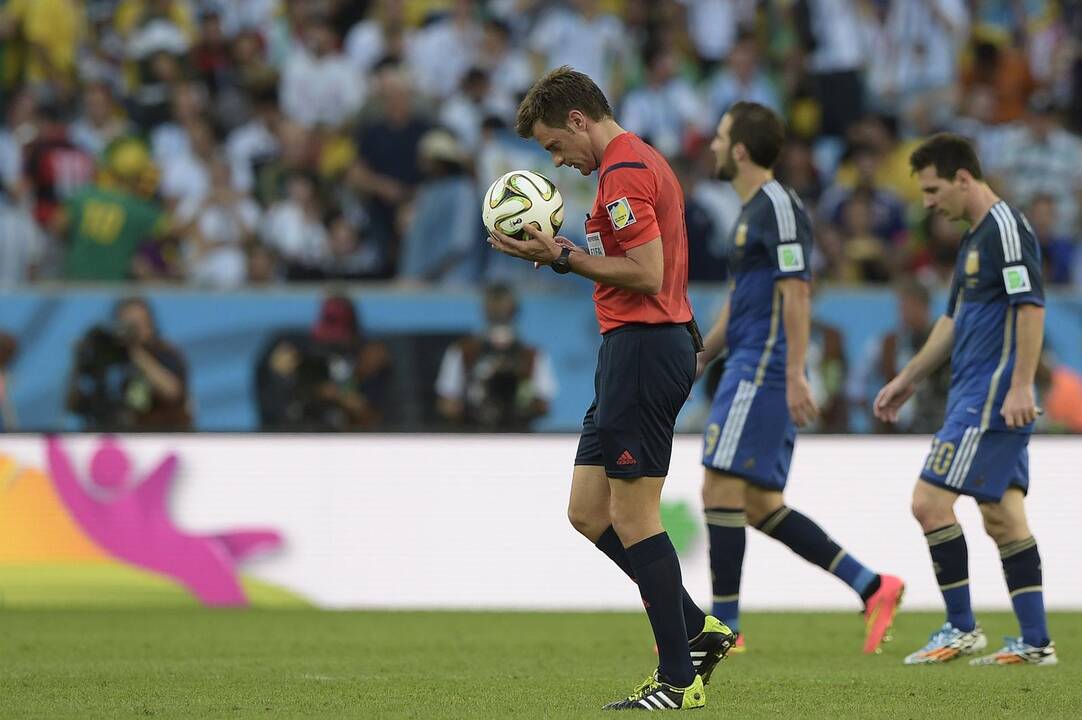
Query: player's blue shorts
[644,375]
[749,433]
[968,461]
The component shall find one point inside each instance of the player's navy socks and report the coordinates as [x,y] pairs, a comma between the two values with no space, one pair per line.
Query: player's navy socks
[727,541]
[1022,569]
[657,572]
[609,543]
[801,535]
[950,558]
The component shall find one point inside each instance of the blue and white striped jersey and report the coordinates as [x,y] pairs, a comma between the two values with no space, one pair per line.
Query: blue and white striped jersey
[772,240]
[998,268]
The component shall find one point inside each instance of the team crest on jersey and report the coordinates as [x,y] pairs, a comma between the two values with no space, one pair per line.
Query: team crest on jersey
[973,262]
[1016,279]
[741,238]
[620,213]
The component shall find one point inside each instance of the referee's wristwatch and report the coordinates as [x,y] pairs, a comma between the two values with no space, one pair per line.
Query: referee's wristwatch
[562,265]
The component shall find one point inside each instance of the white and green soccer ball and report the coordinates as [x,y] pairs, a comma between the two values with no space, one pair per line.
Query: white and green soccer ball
[519,198]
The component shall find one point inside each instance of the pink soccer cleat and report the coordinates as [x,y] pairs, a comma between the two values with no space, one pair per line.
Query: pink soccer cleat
[880,610]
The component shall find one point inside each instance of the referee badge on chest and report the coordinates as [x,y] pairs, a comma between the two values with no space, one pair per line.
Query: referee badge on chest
[594,244]
[973,262]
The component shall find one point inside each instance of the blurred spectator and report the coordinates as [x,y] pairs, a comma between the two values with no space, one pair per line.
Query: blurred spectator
[387,169]
[108,223]
[829,31]
[440,53]
[880,134]
[827,373]
[255,142]
[54,167]
[331,378]
[127,378]
[22,246]
[587,39]
[934,257]
[102,120]
[188,104]
[712,26]
[508,66]
[319,85]
[866,255]
[294,153]
[707,259]
[665,111]
[1040,157]
[888,211]
[493,381]
[353,256]
[215,230]
[17,130]
[464,111]
[1059,253]
[9,348]
[1003,70]
[913,50]
[443,242]
[49,32]
[924,412]
[1060,389]
[796,168]
[186,176]
[294,227]
[261,265]
[379,35]
[742,79]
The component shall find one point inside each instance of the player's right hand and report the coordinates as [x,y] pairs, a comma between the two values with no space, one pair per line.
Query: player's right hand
[891,399]
[798,396]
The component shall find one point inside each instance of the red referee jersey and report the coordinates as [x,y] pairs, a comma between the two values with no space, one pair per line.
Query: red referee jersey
[639,199]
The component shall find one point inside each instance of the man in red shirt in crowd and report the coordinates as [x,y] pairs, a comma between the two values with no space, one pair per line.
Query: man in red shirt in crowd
[638,256]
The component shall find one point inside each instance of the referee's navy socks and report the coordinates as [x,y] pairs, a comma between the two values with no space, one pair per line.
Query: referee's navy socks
[801,535]
[657,572]
[1022,569]
[609,543]
[950,559]
[727,541]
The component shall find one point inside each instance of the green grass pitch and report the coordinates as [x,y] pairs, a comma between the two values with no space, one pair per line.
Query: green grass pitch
[191,663]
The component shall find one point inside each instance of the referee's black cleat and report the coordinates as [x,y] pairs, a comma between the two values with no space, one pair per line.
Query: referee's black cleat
[710,647]
[656,694]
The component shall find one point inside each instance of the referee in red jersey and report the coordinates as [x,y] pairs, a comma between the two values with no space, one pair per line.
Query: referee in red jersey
[637,255]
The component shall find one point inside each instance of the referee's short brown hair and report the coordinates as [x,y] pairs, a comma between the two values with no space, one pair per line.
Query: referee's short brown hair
[555,95]
[759,129]
[948,153]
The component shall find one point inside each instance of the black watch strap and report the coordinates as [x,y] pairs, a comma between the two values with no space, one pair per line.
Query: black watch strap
[562,265]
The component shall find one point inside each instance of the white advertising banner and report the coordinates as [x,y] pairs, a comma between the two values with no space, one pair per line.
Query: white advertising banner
[479,522]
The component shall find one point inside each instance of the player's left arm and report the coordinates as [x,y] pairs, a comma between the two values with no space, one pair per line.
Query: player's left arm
[796,318]
[788,238]
[1025,292]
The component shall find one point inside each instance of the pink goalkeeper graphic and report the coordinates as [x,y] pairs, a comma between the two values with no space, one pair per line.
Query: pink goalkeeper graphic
[131,521]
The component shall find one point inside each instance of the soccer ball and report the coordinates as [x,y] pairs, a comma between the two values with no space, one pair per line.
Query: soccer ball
[522,197]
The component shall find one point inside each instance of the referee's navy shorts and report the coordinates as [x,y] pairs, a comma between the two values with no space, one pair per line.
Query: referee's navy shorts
[644,375]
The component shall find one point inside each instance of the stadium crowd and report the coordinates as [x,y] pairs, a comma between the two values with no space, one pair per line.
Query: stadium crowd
[223,144]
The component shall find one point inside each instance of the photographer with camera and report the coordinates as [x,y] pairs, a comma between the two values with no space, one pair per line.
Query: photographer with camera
[126,378]
[494,381]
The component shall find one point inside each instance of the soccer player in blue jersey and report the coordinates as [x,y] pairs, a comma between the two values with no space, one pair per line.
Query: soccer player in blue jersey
[992,333]
[764,393]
